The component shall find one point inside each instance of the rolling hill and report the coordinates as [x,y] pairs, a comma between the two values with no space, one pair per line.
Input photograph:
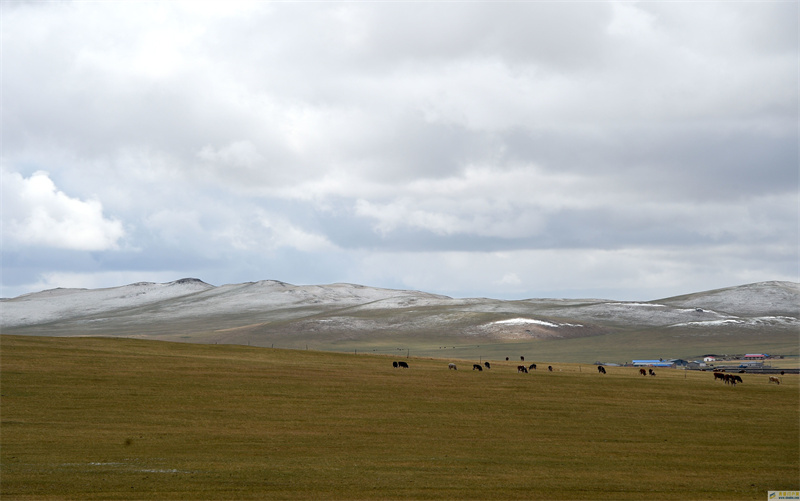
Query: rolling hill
[763,316]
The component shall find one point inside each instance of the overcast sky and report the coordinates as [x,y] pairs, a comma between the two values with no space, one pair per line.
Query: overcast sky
[509,150]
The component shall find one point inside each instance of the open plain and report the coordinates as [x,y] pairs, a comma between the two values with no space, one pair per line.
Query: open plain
[99,418]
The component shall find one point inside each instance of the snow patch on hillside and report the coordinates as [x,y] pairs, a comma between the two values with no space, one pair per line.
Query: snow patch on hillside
[749,322]
[524,321]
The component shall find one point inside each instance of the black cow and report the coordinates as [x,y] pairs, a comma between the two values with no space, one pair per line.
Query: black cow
[487,365]
[533,366]
[403,365]
[601,369]
[550,368]
[652,372]
[477,367]
[394,364]
[522,359]
[522,368]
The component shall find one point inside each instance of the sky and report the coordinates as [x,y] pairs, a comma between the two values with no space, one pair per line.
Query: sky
[620,150]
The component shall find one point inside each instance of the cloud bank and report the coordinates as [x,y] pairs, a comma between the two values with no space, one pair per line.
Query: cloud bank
[625,150]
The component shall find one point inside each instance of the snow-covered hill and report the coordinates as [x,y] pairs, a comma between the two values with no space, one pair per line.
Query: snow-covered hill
[192,310]
[192,298]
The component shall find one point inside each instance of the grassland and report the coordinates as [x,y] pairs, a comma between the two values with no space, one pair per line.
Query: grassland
[95,418]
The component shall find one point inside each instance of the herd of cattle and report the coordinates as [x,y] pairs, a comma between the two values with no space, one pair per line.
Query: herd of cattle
[730,379]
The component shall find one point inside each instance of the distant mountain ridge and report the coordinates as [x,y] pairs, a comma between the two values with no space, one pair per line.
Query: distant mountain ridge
[340,316]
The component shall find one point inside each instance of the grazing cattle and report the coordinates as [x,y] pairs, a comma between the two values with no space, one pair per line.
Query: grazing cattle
[642,372]
[652,372]
[522,359]
[533,366]
[394,364]
[477,367]
[601,369]
[718,375]
[737,379]
[522,368]
[550,368]
[403,365]
[776,380]
[731,379]
[506,359]
[487,365]
[782,373]
[452,366]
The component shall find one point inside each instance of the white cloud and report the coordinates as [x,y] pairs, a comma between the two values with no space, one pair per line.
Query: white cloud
[36,213]
[318,133]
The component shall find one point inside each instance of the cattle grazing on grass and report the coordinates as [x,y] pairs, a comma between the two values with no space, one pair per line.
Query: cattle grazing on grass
[477,367]
[737,379]
[719,375]
[532,366]
[776,380]
[642,372]
[601,369]
[732,379]
[652,372]
[452,366]
[550,368]
[522,368]
[522,359]
[403,365]
[487,365]
[394,364]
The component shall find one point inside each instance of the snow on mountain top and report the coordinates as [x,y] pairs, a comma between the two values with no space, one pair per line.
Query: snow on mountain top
[57,304]
[270,299]
[191,297]
[762,298]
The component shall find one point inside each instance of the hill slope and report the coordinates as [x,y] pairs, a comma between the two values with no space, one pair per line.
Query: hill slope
[753,317]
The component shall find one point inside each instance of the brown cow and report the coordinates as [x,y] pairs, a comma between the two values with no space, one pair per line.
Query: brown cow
[642,372]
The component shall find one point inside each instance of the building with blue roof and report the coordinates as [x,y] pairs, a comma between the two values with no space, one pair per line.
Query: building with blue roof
[652,363]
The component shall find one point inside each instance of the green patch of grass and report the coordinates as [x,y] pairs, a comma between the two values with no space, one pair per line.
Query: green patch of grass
[91,418]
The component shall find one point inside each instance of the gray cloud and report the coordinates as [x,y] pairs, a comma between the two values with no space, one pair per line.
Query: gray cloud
[376,143]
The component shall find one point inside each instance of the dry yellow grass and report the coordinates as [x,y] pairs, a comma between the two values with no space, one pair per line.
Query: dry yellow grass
[123,419]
